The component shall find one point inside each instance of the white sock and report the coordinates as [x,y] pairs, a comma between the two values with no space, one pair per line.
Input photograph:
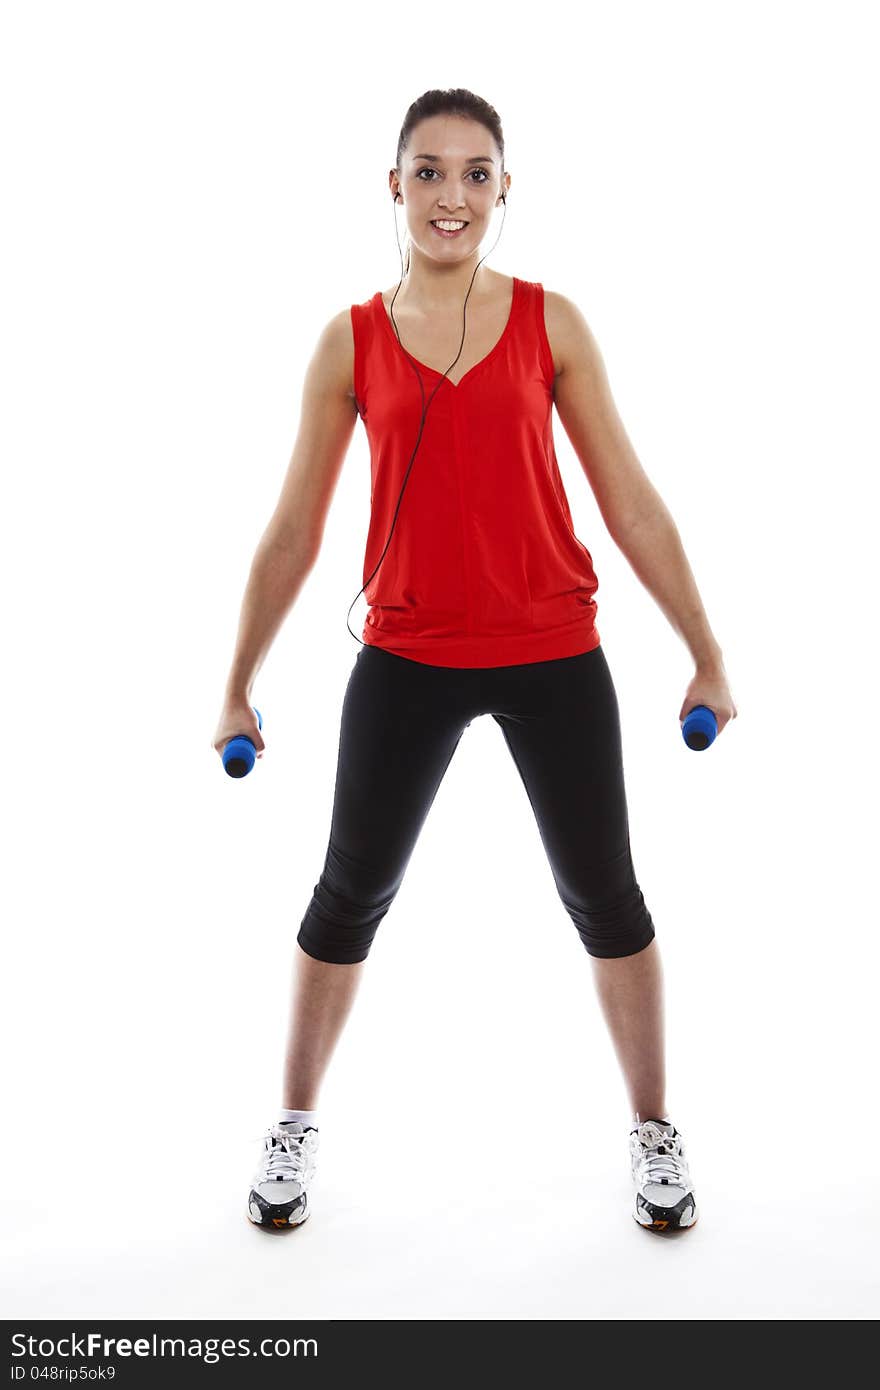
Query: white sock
[308,1117]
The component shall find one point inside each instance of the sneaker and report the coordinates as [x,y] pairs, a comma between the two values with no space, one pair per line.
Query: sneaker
[279,1194]
[664,1196]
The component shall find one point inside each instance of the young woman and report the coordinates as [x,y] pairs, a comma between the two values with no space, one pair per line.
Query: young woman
[481,602]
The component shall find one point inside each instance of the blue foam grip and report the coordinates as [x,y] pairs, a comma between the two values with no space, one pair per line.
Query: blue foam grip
[699,728]
[239,755]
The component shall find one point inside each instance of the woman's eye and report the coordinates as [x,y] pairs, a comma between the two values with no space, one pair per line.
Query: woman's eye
[428,170]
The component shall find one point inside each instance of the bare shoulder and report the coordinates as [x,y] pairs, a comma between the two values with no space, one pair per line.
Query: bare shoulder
[572,344]
[332,365]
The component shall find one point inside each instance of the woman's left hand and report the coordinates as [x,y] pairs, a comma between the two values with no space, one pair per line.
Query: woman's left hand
[709,687]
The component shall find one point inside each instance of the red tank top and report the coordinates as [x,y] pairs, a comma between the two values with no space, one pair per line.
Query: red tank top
[484,568]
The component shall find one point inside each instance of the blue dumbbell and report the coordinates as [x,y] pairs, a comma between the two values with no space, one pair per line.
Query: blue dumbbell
[700,727]
[239,755]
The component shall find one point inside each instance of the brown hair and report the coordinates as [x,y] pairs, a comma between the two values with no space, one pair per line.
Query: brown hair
[451,101]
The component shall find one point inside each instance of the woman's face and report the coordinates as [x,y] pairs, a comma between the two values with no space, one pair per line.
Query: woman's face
[460,182]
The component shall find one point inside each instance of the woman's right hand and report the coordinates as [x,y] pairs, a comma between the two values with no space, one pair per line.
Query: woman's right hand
[237,717]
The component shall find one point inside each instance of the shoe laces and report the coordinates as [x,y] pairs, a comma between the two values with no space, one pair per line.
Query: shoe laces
[288,1154]
[661,1156]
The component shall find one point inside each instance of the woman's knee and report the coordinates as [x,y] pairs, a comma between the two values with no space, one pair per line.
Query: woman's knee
[620,926]
[336,945]
[348,903]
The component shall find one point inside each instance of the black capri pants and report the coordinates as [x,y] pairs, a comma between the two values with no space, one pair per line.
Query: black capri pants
[402,720]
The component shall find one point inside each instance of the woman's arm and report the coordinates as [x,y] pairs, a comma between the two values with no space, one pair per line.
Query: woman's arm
[635,514]
[291,541]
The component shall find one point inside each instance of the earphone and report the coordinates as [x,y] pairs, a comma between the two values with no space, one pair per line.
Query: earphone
[412,362]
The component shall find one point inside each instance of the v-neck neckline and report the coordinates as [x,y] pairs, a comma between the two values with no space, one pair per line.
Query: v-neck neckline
[456,385]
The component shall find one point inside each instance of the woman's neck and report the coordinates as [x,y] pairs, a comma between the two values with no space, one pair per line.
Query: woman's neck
[435,289]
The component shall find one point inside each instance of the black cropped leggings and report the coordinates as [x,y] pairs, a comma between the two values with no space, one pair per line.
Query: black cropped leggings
[402,721]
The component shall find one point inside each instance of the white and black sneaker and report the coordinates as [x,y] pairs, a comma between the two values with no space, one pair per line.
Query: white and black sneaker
[664,1195]
[279,1193]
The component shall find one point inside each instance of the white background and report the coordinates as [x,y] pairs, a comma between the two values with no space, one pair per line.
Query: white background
[192,191]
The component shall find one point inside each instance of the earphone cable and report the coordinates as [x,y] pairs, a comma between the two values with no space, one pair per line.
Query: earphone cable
[425,407]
